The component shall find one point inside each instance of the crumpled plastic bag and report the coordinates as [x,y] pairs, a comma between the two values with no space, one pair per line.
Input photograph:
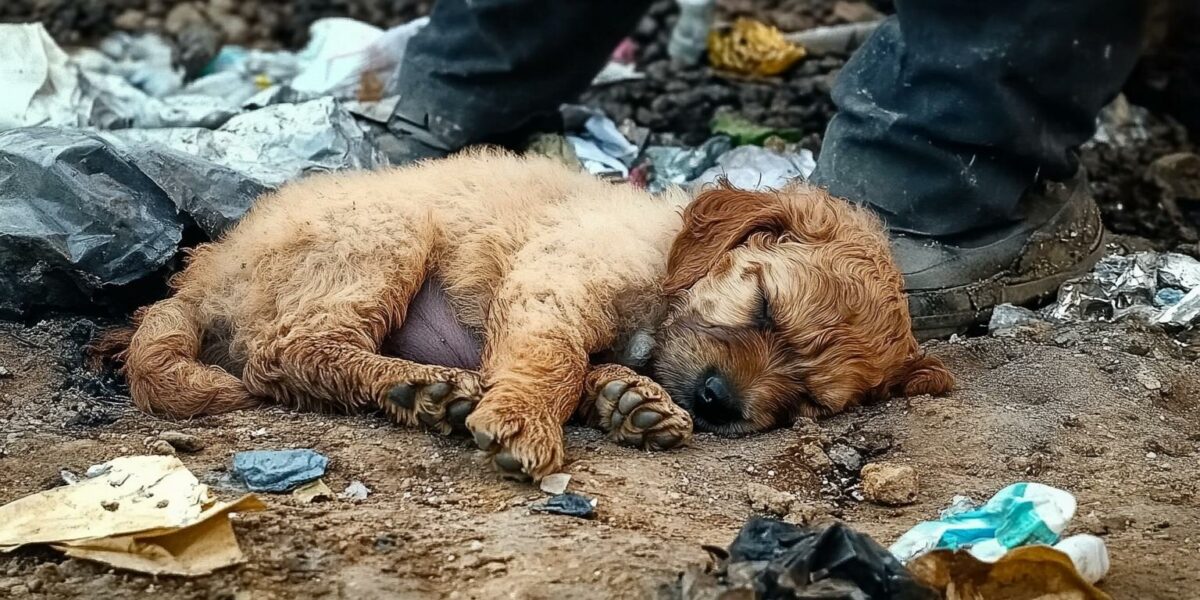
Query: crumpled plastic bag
[1126,284]
[742,131]
[771,559]
[142,513]
[278,470]
[83,211]
[752,47]
[76,214]
[41,86]
[272,145]
[1018,515]
[676,166]
[758,168]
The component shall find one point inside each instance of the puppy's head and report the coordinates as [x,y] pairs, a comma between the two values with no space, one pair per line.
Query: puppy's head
[785,303]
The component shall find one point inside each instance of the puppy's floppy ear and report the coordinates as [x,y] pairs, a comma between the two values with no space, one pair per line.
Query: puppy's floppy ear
[925,375]
[717,221]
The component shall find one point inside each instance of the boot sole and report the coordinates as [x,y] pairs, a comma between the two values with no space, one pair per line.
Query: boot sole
[944,325]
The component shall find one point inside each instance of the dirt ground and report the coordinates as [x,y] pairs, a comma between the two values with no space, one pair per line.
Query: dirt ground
[1110,413]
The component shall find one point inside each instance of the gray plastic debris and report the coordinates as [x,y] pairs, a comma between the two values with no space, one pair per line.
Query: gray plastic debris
[602,149]
[145,61]
[274,144]
[676,166]
[568,504]
[689,38]
[41,86]
[756,168]
[278,470]
[1160,287]
[839,39]
[357,490]
[1008,319]
[1121,123]
[76,214]
[1178,271]
[1117,283]
[1184,312]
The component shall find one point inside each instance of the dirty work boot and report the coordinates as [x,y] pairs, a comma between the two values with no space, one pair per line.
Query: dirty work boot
[954,120]
[954,284]
[482,70]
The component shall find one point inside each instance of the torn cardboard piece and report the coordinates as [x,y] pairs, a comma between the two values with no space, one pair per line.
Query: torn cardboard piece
[144,513]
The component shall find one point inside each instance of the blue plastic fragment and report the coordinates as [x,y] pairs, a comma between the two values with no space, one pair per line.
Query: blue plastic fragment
[571,505]
[278,470]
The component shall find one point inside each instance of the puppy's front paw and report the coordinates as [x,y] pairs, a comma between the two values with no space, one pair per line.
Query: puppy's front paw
[638,412]
[440,402]
[521,443]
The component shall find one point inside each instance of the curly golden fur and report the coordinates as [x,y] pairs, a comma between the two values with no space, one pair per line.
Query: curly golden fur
[790,297]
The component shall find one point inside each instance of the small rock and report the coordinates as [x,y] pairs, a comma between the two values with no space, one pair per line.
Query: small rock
[855,12]
[161,447]
[889,484]
[109,505]
[815,458]
[357,490]
[1093,524]
[555,483]
[804,513]
[1148,380]
[767,499]
[130,20]
[5,373]
[182,442]
[182,16]
[845,458]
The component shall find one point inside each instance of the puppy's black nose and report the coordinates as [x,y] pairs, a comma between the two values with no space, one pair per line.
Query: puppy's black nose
[715,402]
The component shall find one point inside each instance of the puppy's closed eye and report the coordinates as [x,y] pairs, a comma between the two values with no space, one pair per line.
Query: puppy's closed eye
[763,319]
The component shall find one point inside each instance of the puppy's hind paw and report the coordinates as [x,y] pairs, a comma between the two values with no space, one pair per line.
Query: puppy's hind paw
[441,403]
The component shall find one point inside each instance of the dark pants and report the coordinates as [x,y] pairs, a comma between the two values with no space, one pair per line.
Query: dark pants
[947,114]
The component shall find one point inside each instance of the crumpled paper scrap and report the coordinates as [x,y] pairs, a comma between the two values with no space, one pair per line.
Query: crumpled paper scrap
[752,47]
[143,513]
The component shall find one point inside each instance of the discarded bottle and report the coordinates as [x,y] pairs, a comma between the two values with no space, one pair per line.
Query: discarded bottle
[690,36]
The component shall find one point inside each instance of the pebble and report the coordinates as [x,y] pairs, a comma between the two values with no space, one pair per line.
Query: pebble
[357,490]
[110,505]
[889,484]
[555,483]
[815,458]
[161,447]
[182,442]
[5,373]
[767,499]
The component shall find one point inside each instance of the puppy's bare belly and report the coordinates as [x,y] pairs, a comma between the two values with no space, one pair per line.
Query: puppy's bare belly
[432,335]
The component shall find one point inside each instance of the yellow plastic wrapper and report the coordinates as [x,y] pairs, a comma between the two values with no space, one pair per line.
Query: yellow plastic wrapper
[751,47]
[1026,573]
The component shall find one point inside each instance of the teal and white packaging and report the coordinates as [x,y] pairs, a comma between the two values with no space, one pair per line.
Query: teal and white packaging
[1018,515]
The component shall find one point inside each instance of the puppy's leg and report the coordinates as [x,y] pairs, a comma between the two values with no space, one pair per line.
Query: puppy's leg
[335,296]
[332,365]
[633,409]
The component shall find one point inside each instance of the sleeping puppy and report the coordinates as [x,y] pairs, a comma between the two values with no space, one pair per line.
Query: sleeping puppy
[747,308]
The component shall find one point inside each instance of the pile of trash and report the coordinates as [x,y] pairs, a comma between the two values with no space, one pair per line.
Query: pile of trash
[114,159]
[1010,547]
[1161,289]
